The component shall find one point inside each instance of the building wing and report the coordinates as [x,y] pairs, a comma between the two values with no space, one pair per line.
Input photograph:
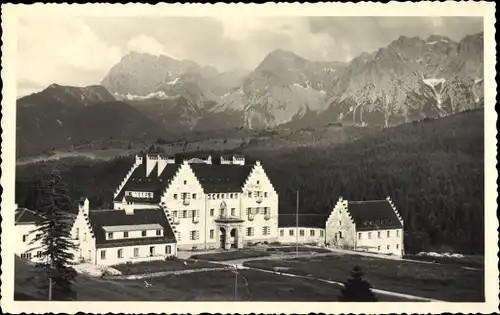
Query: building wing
[103,221]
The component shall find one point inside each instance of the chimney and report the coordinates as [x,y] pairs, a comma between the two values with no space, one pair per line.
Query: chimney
[129,207]
[162,162]
[151,162]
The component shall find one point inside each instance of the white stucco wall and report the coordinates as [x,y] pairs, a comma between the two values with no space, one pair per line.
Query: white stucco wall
[128,254]
[340,229]
[185,181]
[385,244]
[259,181]
[285,237]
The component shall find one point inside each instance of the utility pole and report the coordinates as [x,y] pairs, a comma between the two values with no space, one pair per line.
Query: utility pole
[235,282]
[297,226]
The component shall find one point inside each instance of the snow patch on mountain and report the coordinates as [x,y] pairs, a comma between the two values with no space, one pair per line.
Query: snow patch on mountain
[173,81]
[432,82]
[132,97]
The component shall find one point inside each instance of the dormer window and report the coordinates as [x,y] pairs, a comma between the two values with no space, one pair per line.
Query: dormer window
[158,232]
[144,233]
[110,236]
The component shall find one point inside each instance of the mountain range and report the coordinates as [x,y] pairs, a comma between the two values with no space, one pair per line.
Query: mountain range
[145,96]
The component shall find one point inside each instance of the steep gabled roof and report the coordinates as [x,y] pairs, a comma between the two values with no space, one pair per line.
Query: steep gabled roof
[152,183]
[26,216]
[373,215]
[221,178]
[101,218]
[305,220]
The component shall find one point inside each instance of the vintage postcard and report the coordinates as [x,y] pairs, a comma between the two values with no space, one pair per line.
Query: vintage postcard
[234,158]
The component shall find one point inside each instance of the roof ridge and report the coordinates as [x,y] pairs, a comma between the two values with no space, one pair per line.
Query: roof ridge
[366,201]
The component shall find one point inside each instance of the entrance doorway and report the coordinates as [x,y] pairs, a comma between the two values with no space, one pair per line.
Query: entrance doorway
[234,235]
[223,237]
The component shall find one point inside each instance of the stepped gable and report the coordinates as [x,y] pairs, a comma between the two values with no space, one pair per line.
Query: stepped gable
[103,218]
[138,181]
[221,178]
[373,215]
[288,220]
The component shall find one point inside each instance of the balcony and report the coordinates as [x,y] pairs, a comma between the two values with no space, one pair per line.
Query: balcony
[196,220]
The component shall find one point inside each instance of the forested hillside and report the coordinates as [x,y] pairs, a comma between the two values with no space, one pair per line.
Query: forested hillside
[433,170]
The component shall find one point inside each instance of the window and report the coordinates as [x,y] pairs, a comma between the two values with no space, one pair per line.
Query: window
[359,236]
[266,230]
[174,214]
[378,234]
[282,233]
[388,233]
[194,196]
[249,195]
[184,214]
[103,254]
[212,212]
[175,196]
[321,233]
[185,182]
[249,210]
[218,196]
[265,194]
[388,247]
[77,236]
[120,253]
[301,232]
[250,231]
[194,235]
[378,248]
[178,236]
[39,254]
[369,235]
[125,234]
[397,246]
[158,232]
[211,234]
[136,252]
[397,233]
[151,251]
[168,250]
[340,222]
[258,182]
[110,236]
[26,256]
[209,196]
[144,233]
[85,236]
[311,233]
[233,212]
[290,232]
[25,238]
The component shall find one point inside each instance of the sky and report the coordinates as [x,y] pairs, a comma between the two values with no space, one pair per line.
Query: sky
[80,51]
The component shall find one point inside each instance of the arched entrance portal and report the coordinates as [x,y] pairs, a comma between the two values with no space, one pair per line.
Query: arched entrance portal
[234,235]
[223,237]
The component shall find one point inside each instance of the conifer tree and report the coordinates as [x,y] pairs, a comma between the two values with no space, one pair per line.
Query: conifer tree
[356,289]
[53,235]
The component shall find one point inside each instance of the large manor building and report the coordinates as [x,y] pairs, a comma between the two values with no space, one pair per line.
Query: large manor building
[163,205]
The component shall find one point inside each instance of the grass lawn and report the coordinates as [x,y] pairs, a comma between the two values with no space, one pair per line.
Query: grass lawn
[203,286]
[232,255]
[291,249]
[442,282]
[162,265]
